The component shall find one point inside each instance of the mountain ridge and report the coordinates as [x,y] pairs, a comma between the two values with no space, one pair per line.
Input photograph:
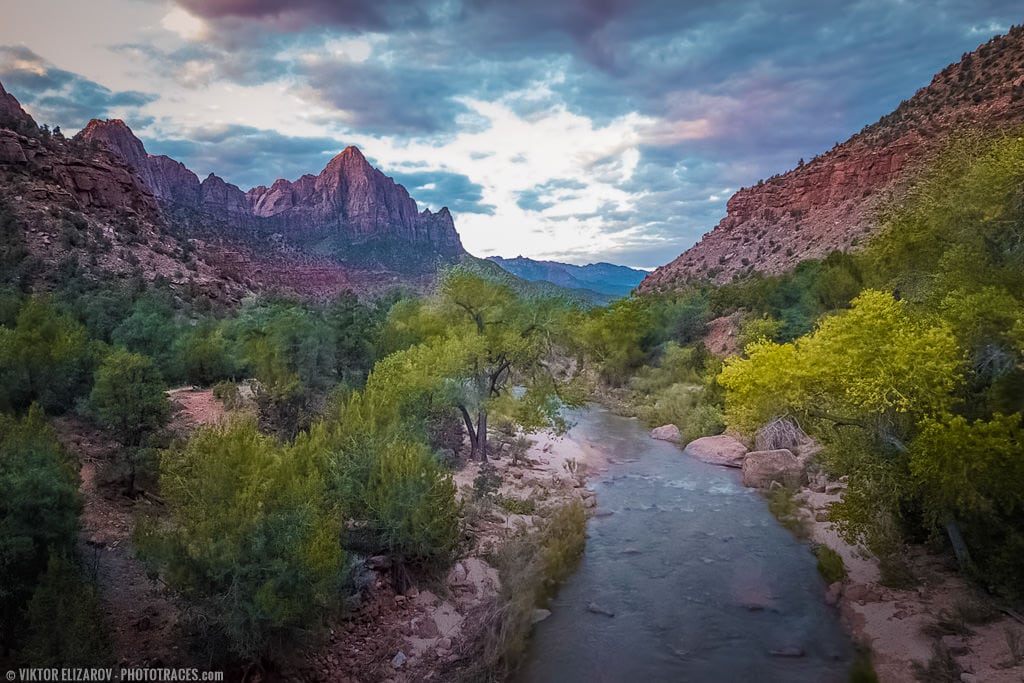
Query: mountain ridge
[604,279]
[831,203]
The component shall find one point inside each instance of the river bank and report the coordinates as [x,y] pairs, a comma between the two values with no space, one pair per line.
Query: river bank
[935,627]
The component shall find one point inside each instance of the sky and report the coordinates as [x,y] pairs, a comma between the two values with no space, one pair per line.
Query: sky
[572,130]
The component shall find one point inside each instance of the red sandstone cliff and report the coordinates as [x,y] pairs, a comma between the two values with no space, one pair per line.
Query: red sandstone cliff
[832,202]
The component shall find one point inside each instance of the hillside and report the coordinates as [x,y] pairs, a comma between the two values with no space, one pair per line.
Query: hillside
[832,202]
[99,201]
[603,278]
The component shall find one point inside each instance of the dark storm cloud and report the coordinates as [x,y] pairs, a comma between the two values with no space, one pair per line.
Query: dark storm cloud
[60,97]
[294,15]
[443,188]
[247,156]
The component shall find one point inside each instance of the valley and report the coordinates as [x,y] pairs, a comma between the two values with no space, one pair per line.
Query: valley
[299,432]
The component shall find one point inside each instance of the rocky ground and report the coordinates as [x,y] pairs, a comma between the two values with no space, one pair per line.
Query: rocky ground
[932,619]
[425,632]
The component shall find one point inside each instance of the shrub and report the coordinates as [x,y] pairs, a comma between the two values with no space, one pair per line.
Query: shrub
[251,541]
[66,623]
[830,564]
[39,506]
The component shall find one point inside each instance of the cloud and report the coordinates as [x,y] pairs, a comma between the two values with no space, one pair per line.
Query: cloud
[443,188]
[246,156]
[60,97]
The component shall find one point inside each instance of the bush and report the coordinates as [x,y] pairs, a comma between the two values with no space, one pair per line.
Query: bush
[39,505]
[128,397]
[251,541]
[532,565]
[830,564]
[409,506]
[47,358]
[66,623]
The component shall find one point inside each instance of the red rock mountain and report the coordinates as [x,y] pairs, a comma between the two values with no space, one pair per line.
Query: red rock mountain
[832,202]
[99,201]
[350,203]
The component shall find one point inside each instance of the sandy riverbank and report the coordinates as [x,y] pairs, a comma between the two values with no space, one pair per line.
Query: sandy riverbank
[903,627]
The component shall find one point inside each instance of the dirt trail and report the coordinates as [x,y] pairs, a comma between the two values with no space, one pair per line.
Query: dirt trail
[144,623]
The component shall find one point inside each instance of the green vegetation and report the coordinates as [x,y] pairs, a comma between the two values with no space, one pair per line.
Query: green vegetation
[252,541]
[830,564]
[917,388]
[39,506]
[532,565]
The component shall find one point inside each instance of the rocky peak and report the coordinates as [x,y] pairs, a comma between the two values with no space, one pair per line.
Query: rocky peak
[11,113]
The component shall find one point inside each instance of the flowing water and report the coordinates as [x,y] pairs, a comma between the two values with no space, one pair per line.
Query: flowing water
[703,583]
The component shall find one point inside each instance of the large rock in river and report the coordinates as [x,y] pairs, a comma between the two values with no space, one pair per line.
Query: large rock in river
[667,433]
[761,468]
[717,450]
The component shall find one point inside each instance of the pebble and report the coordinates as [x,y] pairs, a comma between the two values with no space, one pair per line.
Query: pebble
[398,660]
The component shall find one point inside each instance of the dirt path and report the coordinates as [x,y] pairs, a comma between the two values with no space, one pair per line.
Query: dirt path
[144,623]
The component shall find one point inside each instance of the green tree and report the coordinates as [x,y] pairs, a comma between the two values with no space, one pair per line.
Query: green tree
[39,505]
[492,341]
[48,358]
[251,541]
[128,397]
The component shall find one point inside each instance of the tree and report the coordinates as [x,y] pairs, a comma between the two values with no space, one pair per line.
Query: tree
[252,541]
[39,505]
[48,358]
[492,341]
[128,397]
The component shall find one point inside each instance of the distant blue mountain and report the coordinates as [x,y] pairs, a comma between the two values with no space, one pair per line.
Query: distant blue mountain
[603,278]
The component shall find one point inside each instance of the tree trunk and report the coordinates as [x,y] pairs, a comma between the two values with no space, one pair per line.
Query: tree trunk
[481,434]
[956,539]
[473,440]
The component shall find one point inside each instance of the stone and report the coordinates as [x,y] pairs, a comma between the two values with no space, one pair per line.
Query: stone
[862,593]
[399,660]
[717,450]
[968,678]
[953,643]
[594,608]
[834,593]
[444,643]
[762,468]
[378,562]
[818,482]
[539,615]
[834,487]
[820,516]
[667,433]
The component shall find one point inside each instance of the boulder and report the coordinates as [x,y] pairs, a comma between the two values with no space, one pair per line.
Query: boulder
[718,450]
[667,433]
[761,468]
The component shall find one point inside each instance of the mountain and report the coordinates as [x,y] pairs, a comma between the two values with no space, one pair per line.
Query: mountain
[604,278]
[350,211]
[99,202]
[833,201]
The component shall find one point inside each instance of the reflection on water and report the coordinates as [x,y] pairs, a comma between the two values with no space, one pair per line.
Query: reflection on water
[703,583]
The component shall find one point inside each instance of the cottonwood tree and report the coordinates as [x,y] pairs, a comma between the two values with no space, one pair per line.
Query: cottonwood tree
[495,355]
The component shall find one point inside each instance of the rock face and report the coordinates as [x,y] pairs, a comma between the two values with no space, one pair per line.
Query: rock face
[830,203]
[717,450]
[12,115]
[761,468]
[350,203]
[667,433]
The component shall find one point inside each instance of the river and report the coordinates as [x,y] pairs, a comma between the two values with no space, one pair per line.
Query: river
[703,582]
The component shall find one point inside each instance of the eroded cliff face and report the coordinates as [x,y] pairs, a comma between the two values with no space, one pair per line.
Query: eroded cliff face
[349,203]
[833,202]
